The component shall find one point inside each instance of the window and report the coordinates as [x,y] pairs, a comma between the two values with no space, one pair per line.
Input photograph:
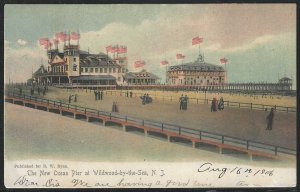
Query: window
[101,70]
[96,70]
[81,69]
[66,67]
[114,70]
[74,59]
[86,70]
[74,67]
[91,70]
[109,69]
[105,70]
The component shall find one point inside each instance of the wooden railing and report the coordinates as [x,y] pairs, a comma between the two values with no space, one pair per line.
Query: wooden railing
[208,101]
[180,130]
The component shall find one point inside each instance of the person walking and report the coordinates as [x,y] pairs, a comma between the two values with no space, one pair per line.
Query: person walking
[181,102]
[95,92]
[270,119]
[101,94]
[185,101]
[75,98]
[221,104]
[70,98]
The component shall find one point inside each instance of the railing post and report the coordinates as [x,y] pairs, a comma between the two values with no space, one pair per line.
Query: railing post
[47,101]
[276,148]
[162,127]
[143,122]
[125,119]
[247,144]
[179,131]
[222,139]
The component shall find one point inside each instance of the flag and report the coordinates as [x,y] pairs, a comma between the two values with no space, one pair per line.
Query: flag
[75,36]
[43,41]
[122,49]
[64,37]
[47,45]
[197,40]
[164,62]
[114,49]
[223,60]
[59,35]
[179,56]
[139,64]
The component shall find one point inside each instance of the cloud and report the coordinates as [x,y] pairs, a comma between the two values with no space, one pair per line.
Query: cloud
[21,42]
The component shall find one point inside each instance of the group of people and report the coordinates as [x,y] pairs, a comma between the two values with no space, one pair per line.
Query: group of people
[215,105]
[183,100]
[129,94]
[71,96]
[98,95]
[39,90]
[146,99]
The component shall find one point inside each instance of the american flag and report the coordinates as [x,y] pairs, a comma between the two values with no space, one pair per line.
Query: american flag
[122,49]
[139,64]
[49,44]
[75,36]
[64,37]
[43,41]
[114,49]
[164,62]
[197,40]
[223,60]
[179,56]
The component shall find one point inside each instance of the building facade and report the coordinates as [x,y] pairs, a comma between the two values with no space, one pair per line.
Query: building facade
[198,72]
[76,66]
[141,78]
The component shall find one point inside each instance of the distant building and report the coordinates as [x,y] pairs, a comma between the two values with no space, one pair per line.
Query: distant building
[198,72]
[141,78]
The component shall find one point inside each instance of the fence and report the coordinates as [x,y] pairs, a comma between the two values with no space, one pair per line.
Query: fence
[207,101]
[180,130]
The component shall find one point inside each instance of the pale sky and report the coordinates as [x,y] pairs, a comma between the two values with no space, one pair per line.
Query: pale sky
[259,40]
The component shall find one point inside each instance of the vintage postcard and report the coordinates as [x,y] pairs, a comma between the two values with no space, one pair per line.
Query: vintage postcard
[150,96]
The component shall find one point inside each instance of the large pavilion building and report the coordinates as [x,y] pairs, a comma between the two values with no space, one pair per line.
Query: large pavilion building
[198,72]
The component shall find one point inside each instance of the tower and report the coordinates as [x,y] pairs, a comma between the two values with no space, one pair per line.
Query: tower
[71,57]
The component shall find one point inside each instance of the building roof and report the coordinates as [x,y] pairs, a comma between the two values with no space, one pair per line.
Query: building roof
[285,79]
[140,75]
[94,77]
[40,71]
[96,60]
[198,65]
